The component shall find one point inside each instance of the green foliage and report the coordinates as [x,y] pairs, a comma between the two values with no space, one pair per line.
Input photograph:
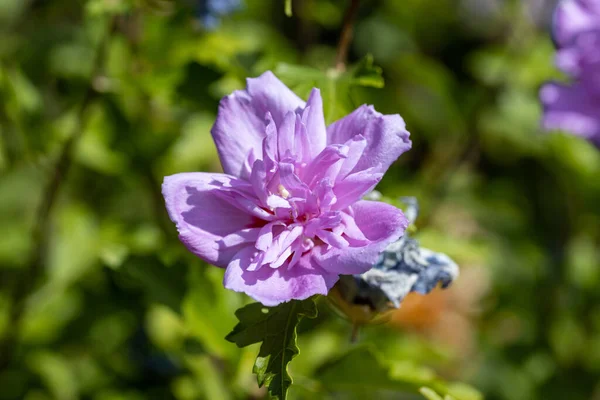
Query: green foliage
[430,394]
[207,310]
[118,309]
[288,8]
[362,369]
[275,329]
[337,87]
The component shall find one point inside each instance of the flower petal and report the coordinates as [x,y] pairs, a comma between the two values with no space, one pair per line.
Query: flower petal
[355,186]
[314,120]
[240,123]
[274,286]
[326,165]
[269,94]
[212,229]
[572,109]
[286,136]
[386,136]
[380,223]
[237,130]
[573,17]
[356,147]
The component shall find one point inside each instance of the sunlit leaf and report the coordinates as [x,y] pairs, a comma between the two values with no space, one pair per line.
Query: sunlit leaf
[336,86]
[55,373]
[361,368]
[430,394]
[207,309]
[275,328]
[288,8]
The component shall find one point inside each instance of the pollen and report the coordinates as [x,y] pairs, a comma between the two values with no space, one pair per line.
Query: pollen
[283,192]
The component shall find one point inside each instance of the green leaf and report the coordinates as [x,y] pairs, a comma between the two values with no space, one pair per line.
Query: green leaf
[55,373]
[362,369]
[275,328]
[207,309]
[288,8]
[158,282]
[366,74]
[102,7]
[430,394]
[336,86]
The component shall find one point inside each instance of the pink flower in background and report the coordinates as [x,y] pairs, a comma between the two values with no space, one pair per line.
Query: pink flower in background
[286,218]
[576,108]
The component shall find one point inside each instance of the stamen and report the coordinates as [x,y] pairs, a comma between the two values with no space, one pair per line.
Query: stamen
[283,191]
[307,244]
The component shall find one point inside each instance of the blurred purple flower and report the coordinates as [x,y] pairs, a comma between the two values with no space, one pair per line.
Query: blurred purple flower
[576,107]
[210,12]
[488,17]
[286,218]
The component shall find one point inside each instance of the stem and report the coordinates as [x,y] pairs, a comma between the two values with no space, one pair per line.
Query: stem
[346,35]
[41,228]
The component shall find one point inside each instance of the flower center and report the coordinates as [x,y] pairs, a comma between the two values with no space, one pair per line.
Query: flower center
[282,191]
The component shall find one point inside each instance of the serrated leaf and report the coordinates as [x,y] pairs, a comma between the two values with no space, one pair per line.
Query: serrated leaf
[275,328]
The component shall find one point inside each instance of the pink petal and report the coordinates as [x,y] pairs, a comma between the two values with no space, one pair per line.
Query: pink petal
[571,109]
[314,120]
[274,286]
[258,177]
[237,130]
[356,148]
[386,136]
[355,186]
[250,207]
[380,223]
[269,94]
[265,235]
[355,236]
[212,229]
[269,144]
[244,236]
[281,243]
[326,165]
[573,17]
[290,181]
[282,258]
[286,136]
[332,239]
[240,121]
[302,144]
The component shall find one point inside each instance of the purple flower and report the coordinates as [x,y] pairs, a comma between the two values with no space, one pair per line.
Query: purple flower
[402,268]
[286,218]
[576,107]
[210,11]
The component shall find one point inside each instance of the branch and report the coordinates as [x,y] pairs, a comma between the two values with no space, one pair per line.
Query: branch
[346,35]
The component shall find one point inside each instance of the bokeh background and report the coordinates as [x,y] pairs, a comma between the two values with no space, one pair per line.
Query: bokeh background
[99,99]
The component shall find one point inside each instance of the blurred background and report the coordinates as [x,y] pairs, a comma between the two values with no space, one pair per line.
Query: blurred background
[99,99]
